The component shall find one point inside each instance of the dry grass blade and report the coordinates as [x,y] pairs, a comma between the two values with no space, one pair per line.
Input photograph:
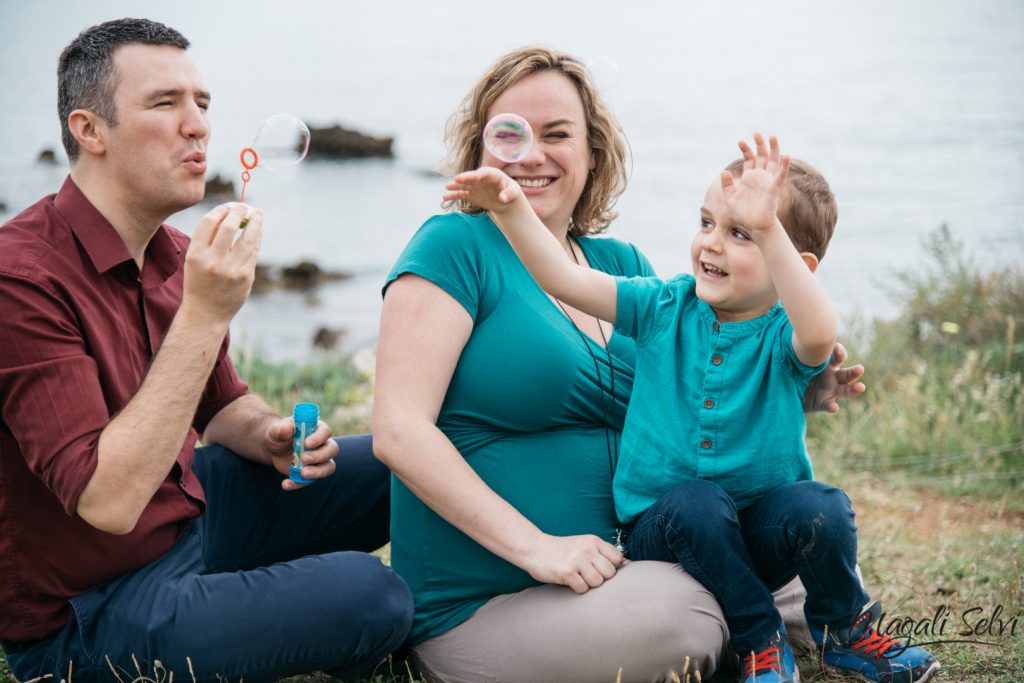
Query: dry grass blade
[111,665]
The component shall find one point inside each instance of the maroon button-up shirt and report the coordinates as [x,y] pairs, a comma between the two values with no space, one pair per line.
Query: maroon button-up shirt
[79,325]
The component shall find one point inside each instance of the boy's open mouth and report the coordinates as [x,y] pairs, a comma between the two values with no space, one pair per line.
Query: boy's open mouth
[711,271]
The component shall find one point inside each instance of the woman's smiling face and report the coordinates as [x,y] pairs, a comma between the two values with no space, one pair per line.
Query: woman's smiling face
[555,170]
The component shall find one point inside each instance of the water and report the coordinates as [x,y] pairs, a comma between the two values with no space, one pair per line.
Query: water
[914,111]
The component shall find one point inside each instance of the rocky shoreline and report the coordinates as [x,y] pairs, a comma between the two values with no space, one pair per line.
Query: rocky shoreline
[303,276]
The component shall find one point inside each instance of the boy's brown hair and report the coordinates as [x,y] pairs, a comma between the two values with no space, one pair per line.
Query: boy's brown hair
[807,207]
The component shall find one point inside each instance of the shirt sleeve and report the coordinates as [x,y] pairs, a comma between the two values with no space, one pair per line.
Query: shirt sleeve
[785,351]
[641,302]
[447,253]
[50,394]
[223,387]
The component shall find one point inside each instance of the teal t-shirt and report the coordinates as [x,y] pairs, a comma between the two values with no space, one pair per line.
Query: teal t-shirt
[524,407]
[711,400]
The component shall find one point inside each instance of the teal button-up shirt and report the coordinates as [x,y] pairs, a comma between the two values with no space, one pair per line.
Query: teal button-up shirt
[711,400]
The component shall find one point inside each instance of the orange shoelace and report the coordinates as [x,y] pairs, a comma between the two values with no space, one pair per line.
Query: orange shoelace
[765,660]
[875,643]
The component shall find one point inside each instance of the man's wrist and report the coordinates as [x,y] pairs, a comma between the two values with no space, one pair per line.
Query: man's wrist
[196,319]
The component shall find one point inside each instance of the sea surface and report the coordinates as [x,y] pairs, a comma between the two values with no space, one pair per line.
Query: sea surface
[913,110]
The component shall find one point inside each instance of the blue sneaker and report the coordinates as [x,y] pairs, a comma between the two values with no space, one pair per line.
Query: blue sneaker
[773,663]
[861,649]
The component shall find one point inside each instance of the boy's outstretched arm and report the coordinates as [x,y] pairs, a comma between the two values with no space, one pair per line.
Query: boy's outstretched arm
[585,289]
[753,201]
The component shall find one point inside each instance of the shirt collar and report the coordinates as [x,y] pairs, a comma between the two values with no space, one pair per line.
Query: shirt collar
[743,328]
[102,242]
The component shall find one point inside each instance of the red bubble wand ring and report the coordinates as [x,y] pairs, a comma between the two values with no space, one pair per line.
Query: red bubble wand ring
[248,165]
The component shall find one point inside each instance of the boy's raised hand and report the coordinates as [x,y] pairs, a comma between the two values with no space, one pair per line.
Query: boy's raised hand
[487,187]
[753,199]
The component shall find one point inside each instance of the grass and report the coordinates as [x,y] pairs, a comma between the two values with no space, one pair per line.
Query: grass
[343,388]
[932,456]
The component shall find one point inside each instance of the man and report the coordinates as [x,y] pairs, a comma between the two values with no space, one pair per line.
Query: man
[118,539]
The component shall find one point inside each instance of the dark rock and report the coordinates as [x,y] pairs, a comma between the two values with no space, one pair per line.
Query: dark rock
[3,205]
[219,188]
[307,274]
[327,338]
[302,276]
[47,156]
[341,143]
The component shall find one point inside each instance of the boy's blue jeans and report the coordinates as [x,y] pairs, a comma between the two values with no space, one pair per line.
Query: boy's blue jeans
[265,584]
[803,528]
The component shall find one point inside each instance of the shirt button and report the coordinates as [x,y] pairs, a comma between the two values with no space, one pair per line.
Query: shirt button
[706,443]
[717,360]
[708,403]
[714,326]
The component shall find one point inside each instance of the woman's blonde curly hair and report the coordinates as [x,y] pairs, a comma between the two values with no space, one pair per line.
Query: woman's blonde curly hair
[606,182]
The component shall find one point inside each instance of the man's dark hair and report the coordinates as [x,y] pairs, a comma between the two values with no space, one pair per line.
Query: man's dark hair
[86,78]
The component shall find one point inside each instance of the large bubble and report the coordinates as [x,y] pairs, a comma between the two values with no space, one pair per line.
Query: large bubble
[508,137]
[282,140]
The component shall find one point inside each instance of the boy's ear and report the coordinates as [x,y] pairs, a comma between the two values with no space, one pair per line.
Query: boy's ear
[810,259]
[86,127]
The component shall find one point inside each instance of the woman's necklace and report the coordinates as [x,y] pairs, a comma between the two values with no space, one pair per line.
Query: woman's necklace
[610,443]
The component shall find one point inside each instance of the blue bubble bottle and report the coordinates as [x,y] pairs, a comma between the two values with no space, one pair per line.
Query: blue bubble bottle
[306,416]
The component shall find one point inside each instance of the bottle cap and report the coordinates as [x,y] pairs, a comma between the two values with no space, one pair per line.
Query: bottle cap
[306,412]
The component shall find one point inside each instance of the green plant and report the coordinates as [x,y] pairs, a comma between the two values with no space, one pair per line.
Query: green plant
[945,405]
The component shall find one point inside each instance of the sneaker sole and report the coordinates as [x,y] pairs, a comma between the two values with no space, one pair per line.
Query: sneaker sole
[926,676]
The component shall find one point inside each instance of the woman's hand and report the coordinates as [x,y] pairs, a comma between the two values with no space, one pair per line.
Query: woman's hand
[579,562]
[487,187]
[833,383]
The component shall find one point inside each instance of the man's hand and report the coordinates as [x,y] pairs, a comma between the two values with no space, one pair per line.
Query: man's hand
[579,562]
[833,383]
[317,459]
[753,200]
[487,187]
[220,265]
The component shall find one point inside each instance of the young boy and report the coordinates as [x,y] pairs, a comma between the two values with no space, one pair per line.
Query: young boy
[713,471]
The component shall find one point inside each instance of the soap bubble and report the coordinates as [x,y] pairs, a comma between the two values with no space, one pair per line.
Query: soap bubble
[282,140]
[508,137]
[604,73]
